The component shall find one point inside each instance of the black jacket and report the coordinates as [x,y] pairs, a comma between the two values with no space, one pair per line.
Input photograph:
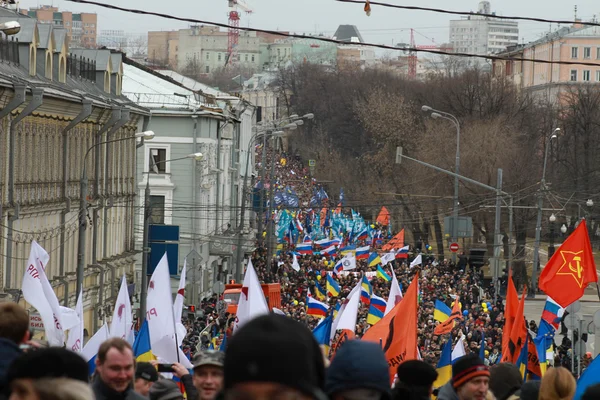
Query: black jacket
[103,392]
[9,351]
[190,389]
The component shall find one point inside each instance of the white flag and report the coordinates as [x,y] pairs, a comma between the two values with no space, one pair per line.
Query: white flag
[349,262]
[90,350]
[395,294]
[348,317]
[295,264]
[336,320]
[121,325]
[417,261]
[178,304]
[75,340]
[70,318]
[159,313]
[38,292]
[252,301]
[459,349]
[387,258]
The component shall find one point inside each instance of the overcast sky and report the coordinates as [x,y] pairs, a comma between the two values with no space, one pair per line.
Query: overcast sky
[385,25]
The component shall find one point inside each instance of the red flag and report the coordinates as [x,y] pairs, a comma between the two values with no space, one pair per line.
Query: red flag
[447,326]
[397,331]
[518,334]
[571,269]
[533,361]
[396,242]
[510,311]
[384,217]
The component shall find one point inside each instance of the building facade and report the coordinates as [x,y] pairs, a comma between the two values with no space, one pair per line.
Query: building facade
[575,43]
[56,104]
[202,197]
[483,35]
[81,28]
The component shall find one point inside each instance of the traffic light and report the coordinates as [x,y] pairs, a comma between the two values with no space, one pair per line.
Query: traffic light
[192,308]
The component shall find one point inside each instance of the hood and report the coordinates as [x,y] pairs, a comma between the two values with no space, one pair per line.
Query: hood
[358,365]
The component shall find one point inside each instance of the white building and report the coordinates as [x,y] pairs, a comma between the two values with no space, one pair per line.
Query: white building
[483,35]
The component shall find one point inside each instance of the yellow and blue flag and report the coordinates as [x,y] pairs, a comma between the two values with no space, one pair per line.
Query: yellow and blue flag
[441,312]
[336,309]
[523,359]
[373,259]
[322,333]
[320,292]
[142,350]
[376,309]
[332,286]
[350,249]
[444,366]
[382,274]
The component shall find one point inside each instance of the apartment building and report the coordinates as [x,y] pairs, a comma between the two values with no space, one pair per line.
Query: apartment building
[82,28]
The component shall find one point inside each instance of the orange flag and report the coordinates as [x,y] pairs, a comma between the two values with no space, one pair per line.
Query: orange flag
[447,326]
[510,311]
[397,330]
[518,333]
[384,217]
[570,269]
[396,242]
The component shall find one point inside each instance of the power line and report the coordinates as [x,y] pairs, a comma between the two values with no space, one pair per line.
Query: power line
[339,42]
[469,13]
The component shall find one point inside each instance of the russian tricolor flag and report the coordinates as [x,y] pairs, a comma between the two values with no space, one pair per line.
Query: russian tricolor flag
[362,253]
[324,243]
[331,251]
[316,308]
[379,303]
[339,267]
[304,248]
[363,235]
[552,313]
[403,252]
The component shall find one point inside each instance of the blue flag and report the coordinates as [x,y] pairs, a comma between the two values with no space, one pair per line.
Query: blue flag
[590,376]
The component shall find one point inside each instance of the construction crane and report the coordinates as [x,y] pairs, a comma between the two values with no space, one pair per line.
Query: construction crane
[412,54]
[234,31]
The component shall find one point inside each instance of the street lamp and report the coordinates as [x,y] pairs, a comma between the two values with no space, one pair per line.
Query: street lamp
[551,249]
[435,114]
[563,229]
[589,203]
[10,28]
[83,193]
[146,231]
[538,226]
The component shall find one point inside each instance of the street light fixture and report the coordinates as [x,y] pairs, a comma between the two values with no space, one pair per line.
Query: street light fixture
[563,229]
[589,203]
[146,231]
[83,194]
[551,248]
[308,116]
[292,126]
[552,218]
[10,28]
[435,114]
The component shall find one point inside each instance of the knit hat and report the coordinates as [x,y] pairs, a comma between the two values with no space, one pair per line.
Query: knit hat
[530,390]
[165,389]
[277,349]
[591,392]
[505,379]
[416,373]
[146,371]
[51,362]
[467,368]
[358,365]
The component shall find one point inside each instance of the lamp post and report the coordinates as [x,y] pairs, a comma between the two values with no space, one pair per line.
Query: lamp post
[146,231]
[10,28]
[538,226]
[435,114]
[83,193]
[239,250]
[552,220]
[563,229]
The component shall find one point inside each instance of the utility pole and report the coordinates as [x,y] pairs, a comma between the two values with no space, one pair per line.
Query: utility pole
[496,258]
[270,221]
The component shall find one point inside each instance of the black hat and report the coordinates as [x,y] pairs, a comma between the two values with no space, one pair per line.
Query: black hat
[466,368]
[416,373]
[505,379]
[298,361]
[50,362]
[530,390]
[592,392]
[165,389]
[146,371]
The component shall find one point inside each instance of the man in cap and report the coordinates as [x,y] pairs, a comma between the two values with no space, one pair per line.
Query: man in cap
[272,355]
[165,389]
[145,376]
[208,373]
[415,380]
[470,378]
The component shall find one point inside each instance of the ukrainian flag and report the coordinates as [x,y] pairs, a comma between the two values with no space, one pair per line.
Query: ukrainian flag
[373,259]
[332,286]
[444,367]
[336,309]
[320,292]
[322,333]
[350,249]
[524,359]
[441,312]
[376,310]
[142,350]
[381,274]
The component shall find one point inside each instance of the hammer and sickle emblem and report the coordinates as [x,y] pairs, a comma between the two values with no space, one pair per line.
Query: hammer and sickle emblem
[578,269]
[572,265]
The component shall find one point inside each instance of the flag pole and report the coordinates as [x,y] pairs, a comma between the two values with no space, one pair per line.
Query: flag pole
[598,289]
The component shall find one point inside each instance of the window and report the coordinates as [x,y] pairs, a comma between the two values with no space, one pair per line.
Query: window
[246,57]
[598,76]
[157,208]
[586,76]
[208,56]
[573,75]
[207,69]
[574,52]
[157,161]
[252,57]
[587,52]
[219,56]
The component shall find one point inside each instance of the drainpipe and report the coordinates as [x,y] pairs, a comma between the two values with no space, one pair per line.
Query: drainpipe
[37,98]
[218,196]
[108,204]
[13,104]
[195,185]
[65,283]
[145,124]
[100,293]
[86,111]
